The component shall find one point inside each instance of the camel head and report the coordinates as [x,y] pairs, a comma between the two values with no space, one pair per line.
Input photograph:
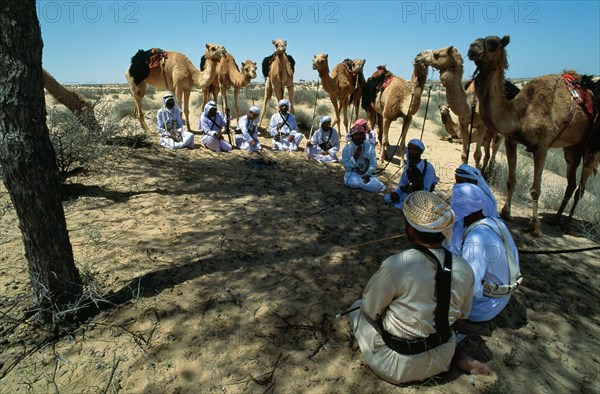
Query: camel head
[320,61]
[444,111]
[442,59]
[358,65]
[280,46]
[420,68]
[249,69]
[215,52]
[489,53]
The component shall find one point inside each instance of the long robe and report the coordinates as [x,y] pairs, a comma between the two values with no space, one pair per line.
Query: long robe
[210,127]
[169,122]
[249,129]
[402,292]
[366,164]
[289,128]
[320,137]
[485,252]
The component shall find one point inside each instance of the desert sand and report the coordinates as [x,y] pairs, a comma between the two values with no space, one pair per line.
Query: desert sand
[230,269]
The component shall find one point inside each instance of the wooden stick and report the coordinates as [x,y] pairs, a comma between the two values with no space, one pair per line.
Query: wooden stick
[376,241]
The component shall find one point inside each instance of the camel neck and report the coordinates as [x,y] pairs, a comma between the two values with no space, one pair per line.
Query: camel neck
[495,109]
[456,96]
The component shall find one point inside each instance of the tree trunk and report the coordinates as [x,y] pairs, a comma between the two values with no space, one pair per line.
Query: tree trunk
[28,161]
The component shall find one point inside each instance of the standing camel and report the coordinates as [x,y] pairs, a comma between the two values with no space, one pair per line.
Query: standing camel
[542,116]
[83,110]
[278,70]
[339,85]
[229,74]
[398,98]
[449,62]
[358,66]
[170,71]
[449,124]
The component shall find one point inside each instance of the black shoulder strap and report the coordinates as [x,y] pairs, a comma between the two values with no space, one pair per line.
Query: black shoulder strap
[443,281]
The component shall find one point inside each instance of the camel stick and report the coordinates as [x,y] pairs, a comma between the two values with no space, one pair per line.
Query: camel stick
[376,241]
[470,129]
[339,315]
[426,107]
[312,124]
[352,120]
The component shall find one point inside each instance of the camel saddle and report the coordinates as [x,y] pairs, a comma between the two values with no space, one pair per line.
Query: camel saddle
[581,95]
[157,57]
[351,73]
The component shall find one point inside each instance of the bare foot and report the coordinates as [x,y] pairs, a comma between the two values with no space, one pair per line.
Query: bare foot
[469,364]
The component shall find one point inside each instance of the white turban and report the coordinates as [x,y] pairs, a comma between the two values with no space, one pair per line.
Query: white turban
[254,109]
[466,199]
[208,106]
[470,172]
[324,119]
[418,143]
[428,213]
[283,102]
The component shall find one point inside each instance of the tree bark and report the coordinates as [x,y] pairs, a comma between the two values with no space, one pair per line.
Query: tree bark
[28,162]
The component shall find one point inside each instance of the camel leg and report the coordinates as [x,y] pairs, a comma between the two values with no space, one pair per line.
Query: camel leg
[236,94]
[405,126]
[496,141]
[186,105]
[344,109]
[356,105]
[464,135]
[487,142]
[138,92]
[290,90]
[336,111]
[589,164]
[511,157]
[572,156]
[478,144]
[223,96]
[205,93]
[384,138]
[539,158]
[268,94]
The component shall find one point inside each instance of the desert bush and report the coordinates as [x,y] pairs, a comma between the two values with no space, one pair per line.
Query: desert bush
[499,173]
[304,119]
[304,96]
[124,109]
[324,109]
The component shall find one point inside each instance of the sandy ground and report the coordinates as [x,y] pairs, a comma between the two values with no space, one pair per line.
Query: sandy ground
[230,269]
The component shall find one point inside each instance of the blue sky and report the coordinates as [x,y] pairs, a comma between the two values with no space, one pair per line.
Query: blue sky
[93,41]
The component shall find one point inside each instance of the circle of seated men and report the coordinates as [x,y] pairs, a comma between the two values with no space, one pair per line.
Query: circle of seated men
[464,263]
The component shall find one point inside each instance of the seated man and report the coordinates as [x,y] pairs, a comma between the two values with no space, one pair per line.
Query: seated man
[360,163]
[325,143]
[490,250]
[403,322]
[170,126]
[417,175]
[211,123]
[247,125]
[284,128]
[469,174]
[370,136]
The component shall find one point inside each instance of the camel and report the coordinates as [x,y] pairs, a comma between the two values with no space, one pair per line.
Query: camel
[398,99]
[340,85]
[278,70]
[83,110]
[229,74]
[357,68]
[175,72]
[449,124]
[542,116]
[449,62]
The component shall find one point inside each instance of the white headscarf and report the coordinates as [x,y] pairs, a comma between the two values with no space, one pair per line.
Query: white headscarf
[283,102]
[470,172]
[208,106]
[324,119]
[466,199]
[428,213]
[167,97]
[254,109]
[418,143]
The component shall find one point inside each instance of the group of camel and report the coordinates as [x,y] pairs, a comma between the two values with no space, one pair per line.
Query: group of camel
[540,116]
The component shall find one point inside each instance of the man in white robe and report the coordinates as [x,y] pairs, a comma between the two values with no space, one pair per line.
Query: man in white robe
[170,126]
[490,250]
[417,175]
[396,326]
[248,126]
[360,163]
[210,124]
[324,145]
[284,128]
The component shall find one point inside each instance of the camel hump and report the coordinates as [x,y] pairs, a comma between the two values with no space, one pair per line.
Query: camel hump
[143,61]
[266,64]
